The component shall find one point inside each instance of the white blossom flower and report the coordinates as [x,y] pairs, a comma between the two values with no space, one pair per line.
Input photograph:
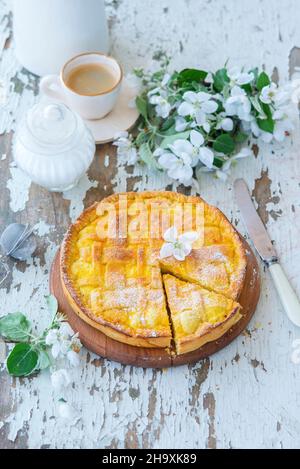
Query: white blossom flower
[223,173]
[60,379]
[51,337]
[162,88]
[126,148]
[75,343]
[73,358]
[181,124]
[238,104]
[177,161]
[183,155]
[197,105]
[252,126]
[237,77]
[62,341]
[271,94]
[165,80]
[268,93]
[65,330]
[59,344]
[60,348]
[162,106]
[283,126]
[200,152]
[177,246]
[159,98]
[224,122]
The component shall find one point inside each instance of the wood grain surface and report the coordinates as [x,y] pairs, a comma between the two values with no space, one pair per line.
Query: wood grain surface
[247,394]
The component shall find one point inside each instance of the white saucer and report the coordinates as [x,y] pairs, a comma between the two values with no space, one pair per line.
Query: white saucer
[121,118]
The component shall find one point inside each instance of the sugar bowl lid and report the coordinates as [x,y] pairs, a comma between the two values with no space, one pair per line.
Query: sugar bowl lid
[50,127]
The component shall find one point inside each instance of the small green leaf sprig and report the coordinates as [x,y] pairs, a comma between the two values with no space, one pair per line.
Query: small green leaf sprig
[32,352]
[195,121]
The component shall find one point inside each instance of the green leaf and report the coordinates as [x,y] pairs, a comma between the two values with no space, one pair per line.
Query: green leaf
[170,131]
[52,304]
[224,144]
[218,162]
[147,157]
[247,88]
[267,125]
[15,327]
[22,360]
[171,138]
[262,81]
[267,110]
[168,123]
[256,103]
[240,137]
[220,79]
[43,360]
[141,138]
[190,75]
[141,105]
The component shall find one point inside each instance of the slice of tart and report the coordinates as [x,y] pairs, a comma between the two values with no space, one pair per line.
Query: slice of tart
[219,264]
[198,315]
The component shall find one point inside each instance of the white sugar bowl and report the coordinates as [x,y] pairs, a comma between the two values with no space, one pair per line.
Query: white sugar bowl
[53,146]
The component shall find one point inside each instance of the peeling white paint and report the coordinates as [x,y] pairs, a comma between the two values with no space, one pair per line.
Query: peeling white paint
[42,228]
[106,161]
[77,195]
[19,186]
[2,351]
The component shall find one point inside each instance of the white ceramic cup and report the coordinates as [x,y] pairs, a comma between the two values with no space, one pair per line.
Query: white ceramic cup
[89,107]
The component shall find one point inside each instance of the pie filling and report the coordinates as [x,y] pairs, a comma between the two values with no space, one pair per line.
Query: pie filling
[197,315]
[123,285]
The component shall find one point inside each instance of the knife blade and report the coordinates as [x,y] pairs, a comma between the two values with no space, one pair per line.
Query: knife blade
[253,223]
[266,250]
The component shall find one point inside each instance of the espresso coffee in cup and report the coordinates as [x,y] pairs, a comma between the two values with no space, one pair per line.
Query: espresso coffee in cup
[91,79]
[88,83]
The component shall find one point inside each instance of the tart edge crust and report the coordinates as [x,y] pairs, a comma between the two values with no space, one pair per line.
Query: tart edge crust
[210,333]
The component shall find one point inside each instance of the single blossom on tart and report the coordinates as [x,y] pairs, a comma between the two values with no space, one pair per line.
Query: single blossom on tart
[112,270]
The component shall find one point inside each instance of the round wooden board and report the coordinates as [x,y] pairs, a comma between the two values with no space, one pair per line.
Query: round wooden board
[104,346]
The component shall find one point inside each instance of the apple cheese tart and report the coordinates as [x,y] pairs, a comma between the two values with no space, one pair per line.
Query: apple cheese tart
[115,277]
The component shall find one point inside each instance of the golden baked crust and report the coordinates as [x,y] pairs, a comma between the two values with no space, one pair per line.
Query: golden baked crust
[115,282]
[198,315]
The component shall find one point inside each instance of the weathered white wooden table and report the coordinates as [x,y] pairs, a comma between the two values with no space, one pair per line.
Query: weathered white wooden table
[247,395]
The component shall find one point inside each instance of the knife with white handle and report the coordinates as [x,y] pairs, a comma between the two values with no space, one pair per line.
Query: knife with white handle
[265,249]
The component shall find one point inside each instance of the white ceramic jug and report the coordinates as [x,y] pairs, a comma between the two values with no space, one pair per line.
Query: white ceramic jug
[49,32]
